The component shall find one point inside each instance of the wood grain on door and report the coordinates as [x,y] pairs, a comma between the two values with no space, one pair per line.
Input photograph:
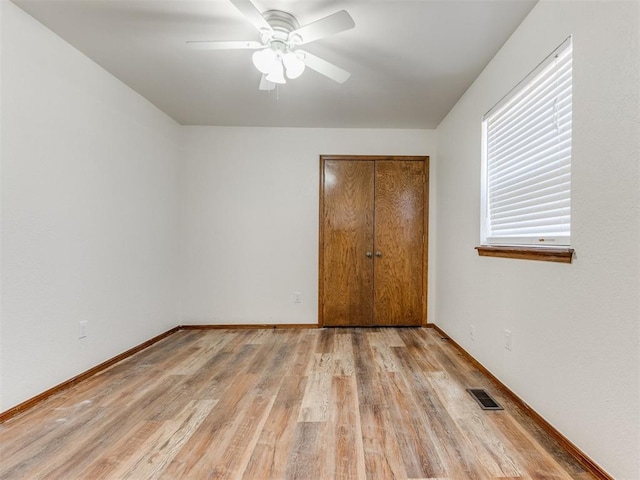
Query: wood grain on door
[373,219]
[399,228]
[348,243]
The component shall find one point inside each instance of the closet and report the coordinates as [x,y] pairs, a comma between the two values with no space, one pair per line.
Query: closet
[373,240]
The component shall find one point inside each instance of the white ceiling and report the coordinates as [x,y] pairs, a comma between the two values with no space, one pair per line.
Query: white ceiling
[410,61]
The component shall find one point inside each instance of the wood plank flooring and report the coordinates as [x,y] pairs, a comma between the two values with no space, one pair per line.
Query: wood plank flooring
[282,404]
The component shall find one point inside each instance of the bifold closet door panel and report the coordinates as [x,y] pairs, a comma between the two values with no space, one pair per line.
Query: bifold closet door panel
[348,199]
[399,237]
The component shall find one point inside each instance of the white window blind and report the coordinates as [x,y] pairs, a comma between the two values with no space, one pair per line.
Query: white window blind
[527,159]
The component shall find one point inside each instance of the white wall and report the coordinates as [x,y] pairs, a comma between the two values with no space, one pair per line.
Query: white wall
[1,62]
[89,209]
[251,217]
[576,340]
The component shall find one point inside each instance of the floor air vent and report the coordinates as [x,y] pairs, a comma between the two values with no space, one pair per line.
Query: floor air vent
[485,400]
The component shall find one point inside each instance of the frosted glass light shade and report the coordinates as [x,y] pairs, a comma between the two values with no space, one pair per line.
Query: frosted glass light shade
[265,60]
[294,65]
[276,75]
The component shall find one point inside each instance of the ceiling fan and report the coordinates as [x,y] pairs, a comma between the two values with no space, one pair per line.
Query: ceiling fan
[277,53]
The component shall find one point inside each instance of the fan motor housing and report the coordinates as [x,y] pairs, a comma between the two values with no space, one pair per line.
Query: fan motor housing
[281,21]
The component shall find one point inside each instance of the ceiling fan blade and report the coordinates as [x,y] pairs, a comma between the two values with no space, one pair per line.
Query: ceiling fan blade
[335,23]
[266,84]
[214,45]
[252,14]
[325,68]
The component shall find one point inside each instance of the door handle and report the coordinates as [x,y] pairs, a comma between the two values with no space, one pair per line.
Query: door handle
[378,254]
[369,254]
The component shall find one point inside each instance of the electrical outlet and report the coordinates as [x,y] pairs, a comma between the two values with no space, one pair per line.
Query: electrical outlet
[82,331]
[297,297]
[472,333]
[508,344]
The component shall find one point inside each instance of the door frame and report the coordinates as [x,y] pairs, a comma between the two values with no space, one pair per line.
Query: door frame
[425,244]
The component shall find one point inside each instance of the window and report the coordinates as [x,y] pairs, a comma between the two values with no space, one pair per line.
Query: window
[526,170]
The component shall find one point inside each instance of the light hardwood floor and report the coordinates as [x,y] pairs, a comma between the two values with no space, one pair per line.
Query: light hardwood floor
[277,404]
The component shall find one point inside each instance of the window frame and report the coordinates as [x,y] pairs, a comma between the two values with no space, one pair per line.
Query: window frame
[506,246]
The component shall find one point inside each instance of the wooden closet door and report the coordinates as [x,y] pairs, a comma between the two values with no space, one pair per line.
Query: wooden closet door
[399,243]
[347,224]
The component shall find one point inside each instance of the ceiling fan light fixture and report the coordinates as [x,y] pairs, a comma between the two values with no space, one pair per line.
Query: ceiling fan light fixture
[280,35]
[265,60]
[294,64]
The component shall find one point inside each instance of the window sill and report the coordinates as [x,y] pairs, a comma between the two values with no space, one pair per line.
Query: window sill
[544,254]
